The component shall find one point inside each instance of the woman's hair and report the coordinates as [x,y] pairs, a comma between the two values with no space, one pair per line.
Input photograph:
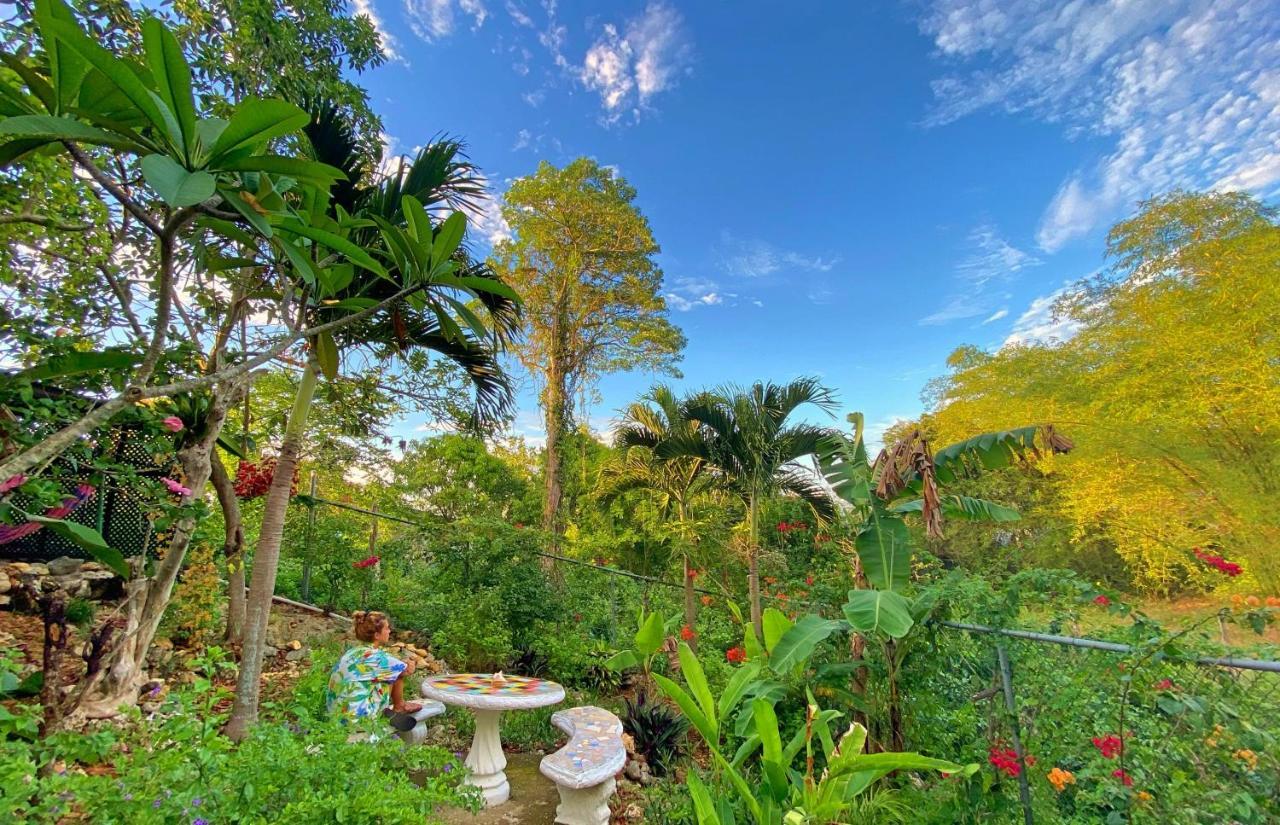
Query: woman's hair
[369,624]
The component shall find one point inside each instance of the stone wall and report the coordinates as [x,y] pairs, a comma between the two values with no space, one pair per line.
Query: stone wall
[80,579]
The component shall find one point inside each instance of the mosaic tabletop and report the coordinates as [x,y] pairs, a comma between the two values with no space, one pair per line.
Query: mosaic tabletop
[481,690]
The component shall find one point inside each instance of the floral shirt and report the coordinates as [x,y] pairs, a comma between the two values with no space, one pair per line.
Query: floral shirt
[360,683]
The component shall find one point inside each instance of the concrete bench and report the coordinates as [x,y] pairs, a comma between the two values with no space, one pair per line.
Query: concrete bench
[584,769]
[418,733]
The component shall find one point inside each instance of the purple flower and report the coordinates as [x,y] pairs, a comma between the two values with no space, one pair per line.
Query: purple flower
[199,821]
[195,803]
[12,483]
[448,768]
[156,804]
[128,797]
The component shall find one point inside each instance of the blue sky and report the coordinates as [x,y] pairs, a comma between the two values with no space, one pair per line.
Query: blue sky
[849,189]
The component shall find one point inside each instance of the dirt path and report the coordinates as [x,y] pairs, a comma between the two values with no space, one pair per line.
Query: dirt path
[533,797]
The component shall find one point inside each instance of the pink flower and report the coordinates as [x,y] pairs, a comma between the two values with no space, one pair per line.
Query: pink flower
[12,483]
[369,562]
[172,423]
[175,488]
[1119,773]
[1101,600]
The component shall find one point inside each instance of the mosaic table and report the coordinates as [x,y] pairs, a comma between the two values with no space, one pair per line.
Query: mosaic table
[487,700]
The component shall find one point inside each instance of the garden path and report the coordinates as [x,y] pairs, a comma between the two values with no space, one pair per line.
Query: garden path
[533,797]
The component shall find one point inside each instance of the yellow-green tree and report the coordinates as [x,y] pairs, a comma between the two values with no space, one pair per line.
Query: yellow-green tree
[1171,386]
[582,259]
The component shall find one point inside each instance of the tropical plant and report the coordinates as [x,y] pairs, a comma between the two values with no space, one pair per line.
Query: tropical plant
[651,634]
[657,731]
[425,285]
[879,494]
[782,795]
[673,482]
[744,434]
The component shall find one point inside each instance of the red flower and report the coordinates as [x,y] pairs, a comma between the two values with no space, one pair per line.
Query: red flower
[808,580]
[1220,564]
[692,573]
[1164,684]
[369,562]
[783,527]
[822,538]
[1109,746]
[735,655]
[1125,778]
[687,633]
[1102,600]
[1006,761]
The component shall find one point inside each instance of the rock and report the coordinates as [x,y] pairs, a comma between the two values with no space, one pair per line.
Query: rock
[633,813]
[294,645]
[633,771]
[74,584]
[5,600]
[6,583]
[269,652]
[296,655]
[64,566]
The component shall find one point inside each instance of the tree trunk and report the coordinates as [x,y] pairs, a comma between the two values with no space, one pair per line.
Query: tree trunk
[146,599]
[266,560]
[753,572]
[54,613]
[690,611]
[556,401]
[232,547]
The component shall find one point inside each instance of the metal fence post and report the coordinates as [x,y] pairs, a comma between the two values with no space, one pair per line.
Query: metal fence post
[1011,705]
[304,588]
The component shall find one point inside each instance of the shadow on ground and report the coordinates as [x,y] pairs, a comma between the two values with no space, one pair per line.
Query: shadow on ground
[533,797]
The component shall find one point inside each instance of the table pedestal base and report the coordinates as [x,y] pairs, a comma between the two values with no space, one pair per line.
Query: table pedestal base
[486,761]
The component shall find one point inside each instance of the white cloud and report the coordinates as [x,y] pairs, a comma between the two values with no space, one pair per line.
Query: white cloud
[684,294]
[752,258]
[524,138]
[990,260]
[390,45]
[1042,323]
[488,223]
[995,316]
[518,15]
[434,20]
[535,97]
[628,66]
[1187,90]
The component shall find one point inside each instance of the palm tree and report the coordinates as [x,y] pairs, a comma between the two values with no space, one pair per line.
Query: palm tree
[460,310]
[673,482]
[743,434]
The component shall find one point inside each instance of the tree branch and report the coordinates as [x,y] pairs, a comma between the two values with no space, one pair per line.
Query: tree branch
[129,204]
[45,221]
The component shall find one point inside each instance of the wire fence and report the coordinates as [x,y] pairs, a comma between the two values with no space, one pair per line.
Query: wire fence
[1082,730]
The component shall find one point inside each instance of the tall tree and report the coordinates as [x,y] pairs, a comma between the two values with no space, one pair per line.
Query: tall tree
[583,259]
[745,435]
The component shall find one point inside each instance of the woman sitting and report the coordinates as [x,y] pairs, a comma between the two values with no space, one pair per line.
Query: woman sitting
[368,681]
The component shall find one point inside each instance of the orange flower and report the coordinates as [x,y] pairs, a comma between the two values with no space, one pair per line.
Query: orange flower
[1143,796]
[706,601]
[1060,779]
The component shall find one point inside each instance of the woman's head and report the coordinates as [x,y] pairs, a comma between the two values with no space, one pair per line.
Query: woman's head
[371,626]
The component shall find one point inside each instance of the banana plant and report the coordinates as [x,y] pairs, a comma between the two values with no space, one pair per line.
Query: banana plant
[762,772]
[651,633]
[903,480]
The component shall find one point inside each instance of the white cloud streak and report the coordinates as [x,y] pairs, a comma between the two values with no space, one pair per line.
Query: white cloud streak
[1188,90]
[990,262]
[435,20]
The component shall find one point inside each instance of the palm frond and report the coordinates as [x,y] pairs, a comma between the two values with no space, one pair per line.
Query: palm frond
[439,176]
[799,481]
